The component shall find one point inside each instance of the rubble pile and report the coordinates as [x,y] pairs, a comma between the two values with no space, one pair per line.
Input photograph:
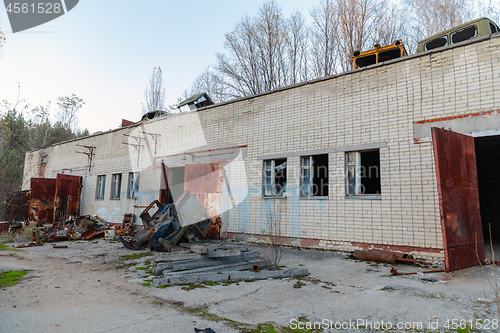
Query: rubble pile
[185,220]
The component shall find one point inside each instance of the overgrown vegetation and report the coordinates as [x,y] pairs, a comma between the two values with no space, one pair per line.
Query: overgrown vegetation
[23,235]
[24,128]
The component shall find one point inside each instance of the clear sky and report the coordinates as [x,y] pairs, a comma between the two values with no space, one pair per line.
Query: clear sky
[105,51]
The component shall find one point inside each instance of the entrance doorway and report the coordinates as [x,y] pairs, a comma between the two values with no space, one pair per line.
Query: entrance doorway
[488,176]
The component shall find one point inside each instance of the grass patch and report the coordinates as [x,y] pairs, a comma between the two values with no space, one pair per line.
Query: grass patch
[163,286]
[146,284]
[142,268]
[147,262]
[10,278]
[136,256]
[8,248]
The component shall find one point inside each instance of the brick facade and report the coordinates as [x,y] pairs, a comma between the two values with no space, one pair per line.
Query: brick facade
[368,107]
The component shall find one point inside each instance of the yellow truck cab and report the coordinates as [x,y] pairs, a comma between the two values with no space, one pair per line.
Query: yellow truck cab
[473,29]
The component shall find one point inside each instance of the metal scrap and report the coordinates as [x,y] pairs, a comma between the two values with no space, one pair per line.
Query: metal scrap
[169,224]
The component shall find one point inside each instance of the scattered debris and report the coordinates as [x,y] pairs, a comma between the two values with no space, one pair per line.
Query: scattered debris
[60,246]
[185,219]
[386,256]
[428,277]
[395,272]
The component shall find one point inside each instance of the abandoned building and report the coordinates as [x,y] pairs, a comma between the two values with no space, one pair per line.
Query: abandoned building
[401,155]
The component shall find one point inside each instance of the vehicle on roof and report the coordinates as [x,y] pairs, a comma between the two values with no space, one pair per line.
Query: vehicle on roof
[473,29]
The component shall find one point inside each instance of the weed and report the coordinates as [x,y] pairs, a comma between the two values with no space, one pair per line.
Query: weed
[10,278]
[136,256]
[299,284]
[5,247]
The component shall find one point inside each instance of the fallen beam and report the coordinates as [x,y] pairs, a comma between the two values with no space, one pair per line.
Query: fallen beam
[230,276]
[204,249]
[223,253]
[219,268]
[215,262]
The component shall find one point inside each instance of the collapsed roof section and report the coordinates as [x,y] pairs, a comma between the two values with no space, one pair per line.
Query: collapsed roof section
[197,101]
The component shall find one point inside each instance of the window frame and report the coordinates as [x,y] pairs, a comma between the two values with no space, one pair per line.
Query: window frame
[133,184]
[271,167]
[311,177]
[100,187]
[356,163]
[116,186]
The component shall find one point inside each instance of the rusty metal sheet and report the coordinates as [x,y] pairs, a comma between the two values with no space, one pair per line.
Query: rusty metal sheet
[203,178]
[455,159]
[18,204]
[205,181]
[67,197]
[42,195]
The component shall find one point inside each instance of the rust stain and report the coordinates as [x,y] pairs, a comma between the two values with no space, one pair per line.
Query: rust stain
[485,113]
[42,200]
[67,197]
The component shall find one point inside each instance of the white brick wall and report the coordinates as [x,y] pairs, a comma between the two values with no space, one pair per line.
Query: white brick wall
[376,105]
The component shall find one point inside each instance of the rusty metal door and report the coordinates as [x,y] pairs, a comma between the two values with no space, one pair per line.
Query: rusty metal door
[455,159]
[204,181]
[67,197]
[43,191]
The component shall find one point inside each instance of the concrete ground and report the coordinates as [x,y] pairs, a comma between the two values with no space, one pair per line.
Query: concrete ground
[90,287]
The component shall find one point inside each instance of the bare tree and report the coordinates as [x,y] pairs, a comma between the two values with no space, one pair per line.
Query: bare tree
[66,117]
[357,21]
[154,94]
[210,82]
[2,41]
[298,49]
[432,16]
[323,33]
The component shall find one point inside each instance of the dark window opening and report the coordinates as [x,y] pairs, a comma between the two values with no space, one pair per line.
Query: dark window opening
[370,172]
[435,43]
[388,55]
[464,34]
[363,173]
[488,176]
[314,176]
[366,61]
[493,28]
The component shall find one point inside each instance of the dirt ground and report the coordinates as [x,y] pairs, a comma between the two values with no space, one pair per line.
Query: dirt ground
[90,287]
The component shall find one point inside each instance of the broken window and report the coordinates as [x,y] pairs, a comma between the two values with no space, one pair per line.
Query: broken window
[133,184]
[493,28]
[464,34]
[116,185]
[274,178]
[363,173]
[101,185]
[435,43]
[314,176]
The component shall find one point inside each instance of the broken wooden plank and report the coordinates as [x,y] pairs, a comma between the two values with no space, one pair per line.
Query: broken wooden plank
[223,253]
[230,276]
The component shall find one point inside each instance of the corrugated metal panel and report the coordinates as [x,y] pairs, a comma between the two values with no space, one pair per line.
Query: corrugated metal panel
[456,172]
[42,195]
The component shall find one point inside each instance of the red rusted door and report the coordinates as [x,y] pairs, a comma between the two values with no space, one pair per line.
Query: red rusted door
[455,159]
[42,195]
[67,197]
